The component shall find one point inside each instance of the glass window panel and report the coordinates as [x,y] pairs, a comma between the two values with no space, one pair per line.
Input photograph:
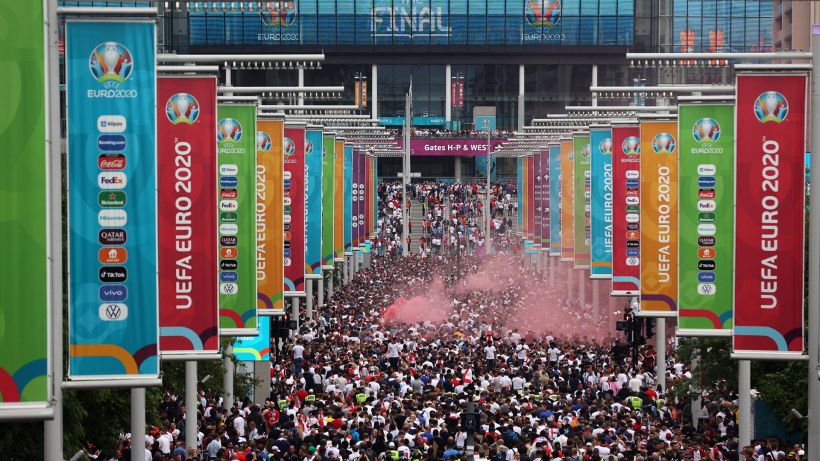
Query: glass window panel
[737,40]
[680,9]
[625,30]
[459,27]
[495,7]
[364,36]
[458,7]
[738,8]
[607,30]
[766,9]
[709,9]
[327,6]
[216,29]
[752,9]
[570,7]
[766,34]
[344,26]
[589,7]
[589,30]
[695,7]
[608,7]
[344,6]
[724,8]
[477,30]
[515,7]
[307,6]
[569,29]
[514,26]
[626,8]
[495,29]
[197,28]
[365,7]
[477,7]
[327,29]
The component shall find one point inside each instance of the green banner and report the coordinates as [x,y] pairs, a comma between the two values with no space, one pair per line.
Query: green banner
[236,155]
[581,158]
[706,136]
[23,274]
[328,156]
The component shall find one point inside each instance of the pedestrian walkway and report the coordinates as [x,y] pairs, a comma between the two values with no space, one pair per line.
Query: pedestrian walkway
[416,217]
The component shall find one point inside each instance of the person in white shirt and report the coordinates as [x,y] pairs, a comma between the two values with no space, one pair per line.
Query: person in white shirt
[489,355]
[298,357]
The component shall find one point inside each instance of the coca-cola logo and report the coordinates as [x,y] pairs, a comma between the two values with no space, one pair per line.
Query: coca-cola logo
[111,162]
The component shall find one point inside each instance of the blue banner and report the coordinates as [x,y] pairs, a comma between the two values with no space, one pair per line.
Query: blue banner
[555,200]
[254,348]
[519,189]
[480,120]
[481,167]
[600,140]
[313,202]
[375,207]
[348,183]
[111,100]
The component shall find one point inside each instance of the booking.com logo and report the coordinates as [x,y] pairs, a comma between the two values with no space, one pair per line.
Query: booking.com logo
[110,63]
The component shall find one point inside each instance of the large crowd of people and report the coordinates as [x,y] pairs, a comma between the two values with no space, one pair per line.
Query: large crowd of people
[392,363]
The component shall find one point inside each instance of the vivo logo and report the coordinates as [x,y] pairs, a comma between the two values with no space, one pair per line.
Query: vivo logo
[113,293]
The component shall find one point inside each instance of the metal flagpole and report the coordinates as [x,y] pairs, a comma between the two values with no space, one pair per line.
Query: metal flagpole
[53,435]
[660,352]
[309,298]
[405,177]
[138,424]
[487,214]
[190,404]
[227,377]
[814,256]
[744,394]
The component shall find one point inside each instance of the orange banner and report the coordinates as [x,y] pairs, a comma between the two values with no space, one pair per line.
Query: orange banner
[659,218]
[269,223]
[567,194]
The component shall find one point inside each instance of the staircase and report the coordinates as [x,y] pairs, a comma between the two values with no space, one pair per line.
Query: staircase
[416,218]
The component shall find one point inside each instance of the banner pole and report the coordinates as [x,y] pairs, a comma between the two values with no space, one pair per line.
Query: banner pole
[660,352]
[582,291]
[744,392]
[190,404]
[330,283]
[308,299]
[138,424]
[227,377]
[814,256]
[320,290]
[53,435]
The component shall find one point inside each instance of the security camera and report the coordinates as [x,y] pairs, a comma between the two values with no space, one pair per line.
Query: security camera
[205,379]
[796,413]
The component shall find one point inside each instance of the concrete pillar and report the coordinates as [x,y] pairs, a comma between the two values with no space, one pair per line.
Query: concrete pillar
[594,83]
[294,310]
[596,302]
[320,293]
[301,84]
[261,390]
[448,94]
[191,404]
[309,299]
[227,377]
[582,295]
[138,424]
[457,168]
[346,270]
[660,349]
[374,92]
[744,392]
[330,285]
[521,92]
[570,272]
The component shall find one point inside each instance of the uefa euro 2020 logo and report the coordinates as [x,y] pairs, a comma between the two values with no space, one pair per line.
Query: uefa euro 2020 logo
[605,146]
[664,143]
[279,13]
[706,131]
[771,106]
[182,108]
[263,141]
[111,63]
[585,151]
[308,149]
[289,147]
[544,13]
[631,145]
[229,131]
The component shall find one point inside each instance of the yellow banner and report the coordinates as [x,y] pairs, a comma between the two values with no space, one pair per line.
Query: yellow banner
[567,194]
[659,218]
[339,199]
[270,272]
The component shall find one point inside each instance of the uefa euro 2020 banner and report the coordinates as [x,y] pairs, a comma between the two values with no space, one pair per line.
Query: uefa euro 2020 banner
[555,199]
[706,140]
[531,200]
[348,196]
[269,226]
[294,208]
[544,162]
[236,157]
[254,348]
[537,190]
[186,214]
[328,156]
[314,139]
[770,216]
[600,141]
[582,151]
[112,222]
[659,218]
[362,197]
[339,201]
[626,217]
[519,163]
[24,303]
[524,196]
[567,192]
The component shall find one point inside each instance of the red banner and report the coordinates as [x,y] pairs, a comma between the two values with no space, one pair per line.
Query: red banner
[544,170]
[294,212]
[769,215]
[186,216]
[537,181]
[626,229]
